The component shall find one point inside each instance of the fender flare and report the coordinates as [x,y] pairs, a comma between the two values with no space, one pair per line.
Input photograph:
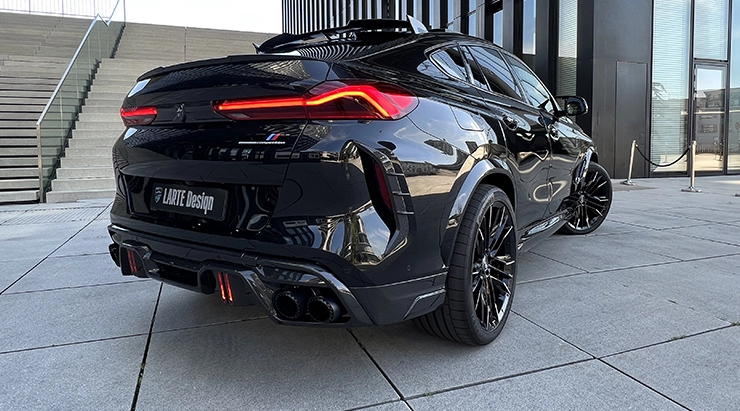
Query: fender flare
[475,177]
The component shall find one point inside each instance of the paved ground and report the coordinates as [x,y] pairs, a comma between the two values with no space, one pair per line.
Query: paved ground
[643,314]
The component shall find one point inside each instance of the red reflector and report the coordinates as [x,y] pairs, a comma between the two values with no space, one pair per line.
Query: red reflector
[221,286]
[138,116]
[382,186]
[229,296]
[131,261]
[332,100]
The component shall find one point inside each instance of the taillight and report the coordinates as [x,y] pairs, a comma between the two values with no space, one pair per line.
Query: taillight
[138,116]
[332,100]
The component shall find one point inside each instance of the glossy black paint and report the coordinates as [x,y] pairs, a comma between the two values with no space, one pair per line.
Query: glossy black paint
[311,198]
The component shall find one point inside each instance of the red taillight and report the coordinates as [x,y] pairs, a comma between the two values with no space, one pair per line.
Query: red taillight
[138,116]
[333,100]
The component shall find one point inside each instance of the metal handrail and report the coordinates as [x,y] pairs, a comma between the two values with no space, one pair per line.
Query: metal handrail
[59,87]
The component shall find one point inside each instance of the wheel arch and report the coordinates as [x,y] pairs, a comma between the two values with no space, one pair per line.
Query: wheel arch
[483,172]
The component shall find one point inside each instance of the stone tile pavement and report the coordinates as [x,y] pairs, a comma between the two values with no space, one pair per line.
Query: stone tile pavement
[642,314]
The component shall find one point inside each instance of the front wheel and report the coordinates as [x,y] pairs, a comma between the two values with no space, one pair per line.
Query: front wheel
[482,274]
[591,202]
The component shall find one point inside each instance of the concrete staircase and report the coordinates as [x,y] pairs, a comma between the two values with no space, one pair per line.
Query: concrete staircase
[86,170]
[34,52]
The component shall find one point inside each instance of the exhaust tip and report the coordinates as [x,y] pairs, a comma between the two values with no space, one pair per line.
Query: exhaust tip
[324,310]
[290,304]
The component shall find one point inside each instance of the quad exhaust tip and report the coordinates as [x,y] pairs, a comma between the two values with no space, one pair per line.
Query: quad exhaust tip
[324,309]
[291,304]
[299,302]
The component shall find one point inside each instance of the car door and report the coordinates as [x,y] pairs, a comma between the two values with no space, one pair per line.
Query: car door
[526,135]
[544,104]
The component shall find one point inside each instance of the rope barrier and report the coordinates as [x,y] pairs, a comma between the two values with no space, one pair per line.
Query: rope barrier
[662,165]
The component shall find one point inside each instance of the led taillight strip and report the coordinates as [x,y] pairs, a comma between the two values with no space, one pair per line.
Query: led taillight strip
[138,116]
[391,103]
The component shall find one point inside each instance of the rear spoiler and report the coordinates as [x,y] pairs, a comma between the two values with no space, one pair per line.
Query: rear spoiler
[285,40]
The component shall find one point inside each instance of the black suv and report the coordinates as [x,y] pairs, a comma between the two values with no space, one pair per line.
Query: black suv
[362,175]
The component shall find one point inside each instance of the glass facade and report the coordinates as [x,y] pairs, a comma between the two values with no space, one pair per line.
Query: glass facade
[691,52]
[733,132]
[670,92]
[710,29]
[567,68]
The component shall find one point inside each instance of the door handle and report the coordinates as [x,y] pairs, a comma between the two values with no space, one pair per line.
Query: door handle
[511,123]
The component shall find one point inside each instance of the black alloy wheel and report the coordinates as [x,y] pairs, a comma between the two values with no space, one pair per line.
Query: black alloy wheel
[482,274]
[592,201]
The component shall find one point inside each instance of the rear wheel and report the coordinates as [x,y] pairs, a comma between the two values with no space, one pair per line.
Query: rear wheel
[592,199]
[482,274]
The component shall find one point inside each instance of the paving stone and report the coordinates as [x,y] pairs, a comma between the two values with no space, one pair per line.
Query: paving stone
[672,245]
[99,375]
[717,232]
[653,220]
[11,271]
[179,308]
[56,215]
[46,318]
[689,284]
[701,372]
[9,215]
[19,242]
[391,406]
[590,385]
[532,267]
[259,365]
[93,239]
[597,253]
[601,316]
[615,227]
[419,363]
[74,271]
[704,214]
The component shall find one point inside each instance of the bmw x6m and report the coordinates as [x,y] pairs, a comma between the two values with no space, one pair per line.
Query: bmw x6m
[362,175]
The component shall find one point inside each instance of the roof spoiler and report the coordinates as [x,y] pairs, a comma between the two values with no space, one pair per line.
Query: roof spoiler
[411,25]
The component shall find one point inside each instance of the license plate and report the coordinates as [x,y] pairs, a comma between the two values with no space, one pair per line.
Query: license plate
[202,202]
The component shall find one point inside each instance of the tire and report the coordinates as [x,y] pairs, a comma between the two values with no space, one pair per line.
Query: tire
[480,285]
[592,201]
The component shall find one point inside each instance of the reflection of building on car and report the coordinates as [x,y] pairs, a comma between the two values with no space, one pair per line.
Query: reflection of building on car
[363,175]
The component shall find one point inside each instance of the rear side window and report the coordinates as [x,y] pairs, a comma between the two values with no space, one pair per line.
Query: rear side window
[536,92]
[451,62]
[500,79]
[478,79]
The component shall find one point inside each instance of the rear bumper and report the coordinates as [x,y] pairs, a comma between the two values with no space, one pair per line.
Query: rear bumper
[255,278]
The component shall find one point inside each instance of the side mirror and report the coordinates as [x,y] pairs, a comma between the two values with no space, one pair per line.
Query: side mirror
[572,105]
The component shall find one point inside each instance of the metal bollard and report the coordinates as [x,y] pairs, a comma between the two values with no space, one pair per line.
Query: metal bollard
[692,172]
[628,181]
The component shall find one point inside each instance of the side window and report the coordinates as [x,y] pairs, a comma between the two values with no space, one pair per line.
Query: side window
[451,62]
[496,71]
[478,79]
[536,92]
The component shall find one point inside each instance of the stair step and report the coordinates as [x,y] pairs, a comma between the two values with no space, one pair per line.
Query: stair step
[91,161]
[19,161]
[87,143]
[71,196]
[20,172]
[96,134]
[101,125]
[69,184]
[83,172]
[20,183]
[26,196]
[88,151]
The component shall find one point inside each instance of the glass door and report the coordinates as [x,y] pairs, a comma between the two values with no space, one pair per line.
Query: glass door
[709,116]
